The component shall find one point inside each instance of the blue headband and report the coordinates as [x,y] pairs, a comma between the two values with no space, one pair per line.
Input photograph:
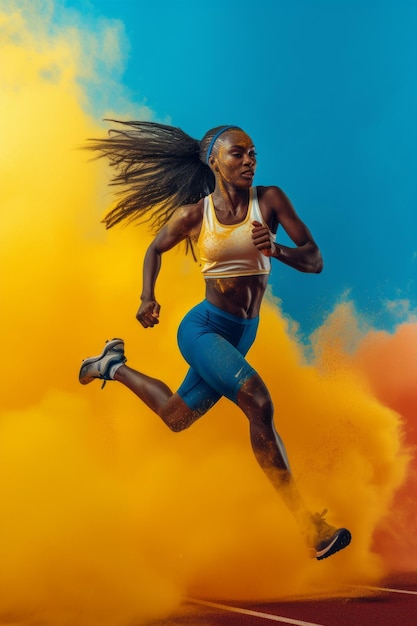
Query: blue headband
[215,138]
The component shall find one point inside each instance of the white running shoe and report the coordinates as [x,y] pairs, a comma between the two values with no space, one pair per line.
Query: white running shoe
[105,365]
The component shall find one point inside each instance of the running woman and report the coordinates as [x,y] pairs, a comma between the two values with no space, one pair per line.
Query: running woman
[201,192]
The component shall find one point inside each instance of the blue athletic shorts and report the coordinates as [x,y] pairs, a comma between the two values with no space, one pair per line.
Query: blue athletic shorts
[214,344]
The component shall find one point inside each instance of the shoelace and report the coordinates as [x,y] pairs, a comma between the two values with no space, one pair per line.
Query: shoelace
[106,379]
[319,517]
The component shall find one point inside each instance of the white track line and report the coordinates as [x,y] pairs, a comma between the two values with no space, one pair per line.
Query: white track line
[406,591]
[268,616]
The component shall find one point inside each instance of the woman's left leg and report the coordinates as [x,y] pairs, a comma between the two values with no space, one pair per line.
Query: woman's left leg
[217,353]
[269,450]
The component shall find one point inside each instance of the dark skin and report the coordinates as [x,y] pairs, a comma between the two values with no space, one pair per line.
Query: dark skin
[234,167]
[233,162]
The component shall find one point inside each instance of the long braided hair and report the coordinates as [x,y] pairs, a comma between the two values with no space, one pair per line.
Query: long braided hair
[158,169]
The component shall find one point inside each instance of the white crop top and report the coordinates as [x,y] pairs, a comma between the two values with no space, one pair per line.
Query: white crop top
[227,250]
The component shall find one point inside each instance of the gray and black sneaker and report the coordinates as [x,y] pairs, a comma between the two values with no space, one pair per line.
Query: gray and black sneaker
[105,365]
[325,539]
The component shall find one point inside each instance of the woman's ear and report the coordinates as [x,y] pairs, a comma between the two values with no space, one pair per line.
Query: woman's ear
[213,163]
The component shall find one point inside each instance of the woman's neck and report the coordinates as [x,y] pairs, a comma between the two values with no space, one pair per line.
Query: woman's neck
[230,200]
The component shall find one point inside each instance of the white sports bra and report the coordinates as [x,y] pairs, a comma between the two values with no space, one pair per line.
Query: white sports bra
[227,250]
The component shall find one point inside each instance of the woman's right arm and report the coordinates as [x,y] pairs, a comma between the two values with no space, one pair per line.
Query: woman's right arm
[184,222]
[148,311]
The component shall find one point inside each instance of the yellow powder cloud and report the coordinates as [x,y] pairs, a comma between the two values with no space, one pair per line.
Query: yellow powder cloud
[108,517]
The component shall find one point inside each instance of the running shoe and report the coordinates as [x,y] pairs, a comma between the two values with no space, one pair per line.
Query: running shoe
[105,365]
[327,540]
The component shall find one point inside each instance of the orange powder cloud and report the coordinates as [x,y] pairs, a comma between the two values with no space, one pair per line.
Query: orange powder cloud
[389,364]
[108,517]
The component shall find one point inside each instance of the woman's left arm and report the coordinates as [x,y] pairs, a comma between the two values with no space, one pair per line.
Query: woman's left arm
[306,256]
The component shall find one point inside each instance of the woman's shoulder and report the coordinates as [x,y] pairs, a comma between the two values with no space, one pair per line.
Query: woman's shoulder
[191,216]
[191,211]
[269,192]
[272,202]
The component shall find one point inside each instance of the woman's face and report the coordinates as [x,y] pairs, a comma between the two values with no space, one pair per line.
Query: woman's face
[234,160]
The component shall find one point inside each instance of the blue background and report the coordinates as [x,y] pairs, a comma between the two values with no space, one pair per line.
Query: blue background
[328,92]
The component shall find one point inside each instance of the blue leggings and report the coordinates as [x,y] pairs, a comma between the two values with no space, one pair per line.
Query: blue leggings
[214,344]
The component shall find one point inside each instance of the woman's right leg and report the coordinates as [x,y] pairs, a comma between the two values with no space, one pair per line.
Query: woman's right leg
[170,407]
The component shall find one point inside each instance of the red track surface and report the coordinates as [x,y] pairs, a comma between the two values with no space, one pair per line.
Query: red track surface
[393,603]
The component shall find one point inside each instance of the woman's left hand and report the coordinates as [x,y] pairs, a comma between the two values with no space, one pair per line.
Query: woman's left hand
[262,238]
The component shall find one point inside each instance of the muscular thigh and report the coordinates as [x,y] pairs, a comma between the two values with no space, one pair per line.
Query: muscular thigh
[214,345]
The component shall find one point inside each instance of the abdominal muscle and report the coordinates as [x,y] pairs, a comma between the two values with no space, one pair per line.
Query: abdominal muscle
[240,295]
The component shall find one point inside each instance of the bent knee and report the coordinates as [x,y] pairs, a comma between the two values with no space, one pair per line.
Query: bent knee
[177,426]
[176,421]
[254,399]
[177,415]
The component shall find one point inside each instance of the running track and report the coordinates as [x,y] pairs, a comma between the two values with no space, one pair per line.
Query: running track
[393,603]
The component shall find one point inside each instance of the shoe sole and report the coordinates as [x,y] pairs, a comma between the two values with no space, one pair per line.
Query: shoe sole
[341,539]
[85,380]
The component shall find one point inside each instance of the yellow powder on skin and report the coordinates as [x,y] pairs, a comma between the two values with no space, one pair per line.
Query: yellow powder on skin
[108,517]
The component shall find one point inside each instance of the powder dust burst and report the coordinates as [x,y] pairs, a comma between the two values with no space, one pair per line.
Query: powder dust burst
[108,518]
